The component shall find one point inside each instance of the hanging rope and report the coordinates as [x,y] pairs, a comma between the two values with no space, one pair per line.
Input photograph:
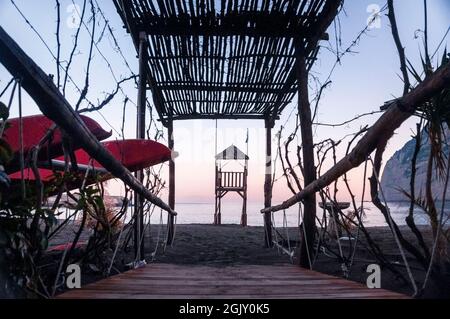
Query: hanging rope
[66,249]
[215,139]
[321,234]
[153,254]
[117,243]
[2,129]
[275,232]
[285,226]
[440,228]
[391,225]
[304,236]
[361,212]
[21,153]
[7,87]
[336,226]
[174,230]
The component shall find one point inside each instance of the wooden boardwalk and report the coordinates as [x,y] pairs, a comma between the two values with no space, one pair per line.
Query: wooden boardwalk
[249,281]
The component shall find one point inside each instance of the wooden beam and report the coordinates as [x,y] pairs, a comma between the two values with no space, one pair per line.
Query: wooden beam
[140,134]
[170,220]
[53,105]
[309,169]
[244,196]
[179,29]
[225,88]
[217,193]
[218,117]
[268,184]
[397,113]
[221,57]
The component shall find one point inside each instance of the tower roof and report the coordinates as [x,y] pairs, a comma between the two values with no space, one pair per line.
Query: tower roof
[232,153]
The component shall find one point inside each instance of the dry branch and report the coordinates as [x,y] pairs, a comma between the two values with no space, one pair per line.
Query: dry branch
[53,104]
[398,112]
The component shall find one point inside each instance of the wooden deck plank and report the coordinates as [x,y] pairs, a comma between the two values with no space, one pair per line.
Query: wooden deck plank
[163,281]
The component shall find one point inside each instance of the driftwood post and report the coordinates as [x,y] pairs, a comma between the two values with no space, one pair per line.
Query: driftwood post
[268,184]
[140,134]
[217,216]
[170,219]
[244,195]
[304,111]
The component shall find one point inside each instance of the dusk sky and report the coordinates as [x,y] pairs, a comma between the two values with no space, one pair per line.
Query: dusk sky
[365,79]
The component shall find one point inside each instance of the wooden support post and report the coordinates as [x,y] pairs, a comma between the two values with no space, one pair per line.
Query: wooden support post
[304,111]
[244,210]
[244,197]
[219,209]
[170,218]
[217,217]
[268,184]
[140,134]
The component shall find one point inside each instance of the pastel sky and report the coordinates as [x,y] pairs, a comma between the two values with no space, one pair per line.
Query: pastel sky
[363,81]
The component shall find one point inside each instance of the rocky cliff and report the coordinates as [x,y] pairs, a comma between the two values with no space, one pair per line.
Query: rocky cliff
[397,172]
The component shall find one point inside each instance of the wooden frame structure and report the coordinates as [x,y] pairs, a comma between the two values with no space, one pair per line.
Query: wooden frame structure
[230,181]
[228,59]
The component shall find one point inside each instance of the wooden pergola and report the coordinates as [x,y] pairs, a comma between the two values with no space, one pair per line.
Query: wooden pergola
[211,59]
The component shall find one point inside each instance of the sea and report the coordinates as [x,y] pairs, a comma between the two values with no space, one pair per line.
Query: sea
[203,213]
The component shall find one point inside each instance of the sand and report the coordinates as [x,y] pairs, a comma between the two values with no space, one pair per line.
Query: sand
[227,245]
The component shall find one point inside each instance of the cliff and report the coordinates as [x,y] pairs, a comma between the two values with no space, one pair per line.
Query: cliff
[397,172]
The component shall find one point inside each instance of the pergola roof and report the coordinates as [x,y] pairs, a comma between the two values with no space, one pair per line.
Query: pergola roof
[225,59]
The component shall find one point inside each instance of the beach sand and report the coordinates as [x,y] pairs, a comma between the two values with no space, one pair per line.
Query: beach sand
[227,245]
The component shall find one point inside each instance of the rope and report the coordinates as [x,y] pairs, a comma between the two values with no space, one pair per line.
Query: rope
[322,233]
[157,237]
[21,154]
[66,249]
[304,235]
[118,243]
[147,215]
[215,139]
[441,225]
[174,230]
[7,87]
[265,233]
[336,223]
[391,225]
[359,219]
[285,226]
[2,129]
[272,217]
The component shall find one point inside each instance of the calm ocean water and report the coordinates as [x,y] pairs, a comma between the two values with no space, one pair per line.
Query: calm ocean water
[203,213]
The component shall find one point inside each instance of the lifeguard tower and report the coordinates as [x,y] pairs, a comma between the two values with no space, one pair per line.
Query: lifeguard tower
[231,181]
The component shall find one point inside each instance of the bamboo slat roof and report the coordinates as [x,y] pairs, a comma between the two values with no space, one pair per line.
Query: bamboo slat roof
[224,58]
